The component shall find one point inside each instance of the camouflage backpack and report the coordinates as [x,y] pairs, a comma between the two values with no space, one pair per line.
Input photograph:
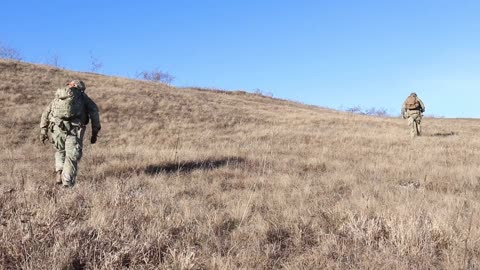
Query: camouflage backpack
[69,103]
[412,103]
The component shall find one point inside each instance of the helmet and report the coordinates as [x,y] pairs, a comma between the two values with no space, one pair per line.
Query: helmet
[80,85]
[413,94]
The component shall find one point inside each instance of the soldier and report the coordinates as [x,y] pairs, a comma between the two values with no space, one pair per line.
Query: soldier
[412,110]
[66,118]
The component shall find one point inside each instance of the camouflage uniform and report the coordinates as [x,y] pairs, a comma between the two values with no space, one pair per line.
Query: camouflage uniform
[414,116]
[67,135]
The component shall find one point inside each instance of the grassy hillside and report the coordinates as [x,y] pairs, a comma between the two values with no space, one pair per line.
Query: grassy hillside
[204,179]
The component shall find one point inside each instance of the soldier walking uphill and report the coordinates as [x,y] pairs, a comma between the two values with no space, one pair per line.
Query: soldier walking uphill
[412,110]
[66,118]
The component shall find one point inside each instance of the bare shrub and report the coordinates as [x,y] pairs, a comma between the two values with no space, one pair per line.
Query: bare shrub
[95,63]
[355,109]
[260,92]
[9,53]
[372,111]
[156,76]
[54,60]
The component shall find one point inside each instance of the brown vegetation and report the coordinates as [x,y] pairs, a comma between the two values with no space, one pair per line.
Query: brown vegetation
[198,179]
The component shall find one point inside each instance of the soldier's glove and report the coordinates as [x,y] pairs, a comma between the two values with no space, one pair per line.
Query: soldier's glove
[43,136]
[93,139]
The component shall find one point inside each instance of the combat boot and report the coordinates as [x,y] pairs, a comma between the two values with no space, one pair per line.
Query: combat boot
[58,178]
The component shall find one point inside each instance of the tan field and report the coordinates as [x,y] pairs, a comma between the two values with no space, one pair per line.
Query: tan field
[209,179]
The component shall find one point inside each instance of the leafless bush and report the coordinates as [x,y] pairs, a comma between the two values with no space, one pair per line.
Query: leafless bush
[9,53]
[95,63]
[54,60]
[156,76]
[260,92]
[372,111]
[356,109]
[376,111]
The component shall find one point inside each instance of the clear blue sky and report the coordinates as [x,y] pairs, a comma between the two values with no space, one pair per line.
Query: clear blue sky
[336,54]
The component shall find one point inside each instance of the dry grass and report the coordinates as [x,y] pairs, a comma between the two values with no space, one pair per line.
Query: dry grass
[197,179]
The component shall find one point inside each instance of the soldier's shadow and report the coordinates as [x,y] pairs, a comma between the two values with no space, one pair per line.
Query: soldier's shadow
[444,134]
[189,166]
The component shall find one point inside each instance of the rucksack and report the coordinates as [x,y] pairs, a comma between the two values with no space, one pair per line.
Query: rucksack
[69,103]
[412,103]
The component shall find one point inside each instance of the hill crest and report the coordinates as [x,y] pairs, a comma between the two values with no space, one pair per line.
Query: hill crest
[200,179]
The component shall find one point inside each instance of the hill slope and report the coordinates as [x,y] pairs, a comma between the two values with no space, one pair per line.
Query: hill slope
[204,179]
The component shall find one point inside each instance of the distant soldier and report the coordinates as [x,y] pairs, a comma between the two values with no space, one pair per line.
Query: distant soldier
[66,118]
[412,110]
